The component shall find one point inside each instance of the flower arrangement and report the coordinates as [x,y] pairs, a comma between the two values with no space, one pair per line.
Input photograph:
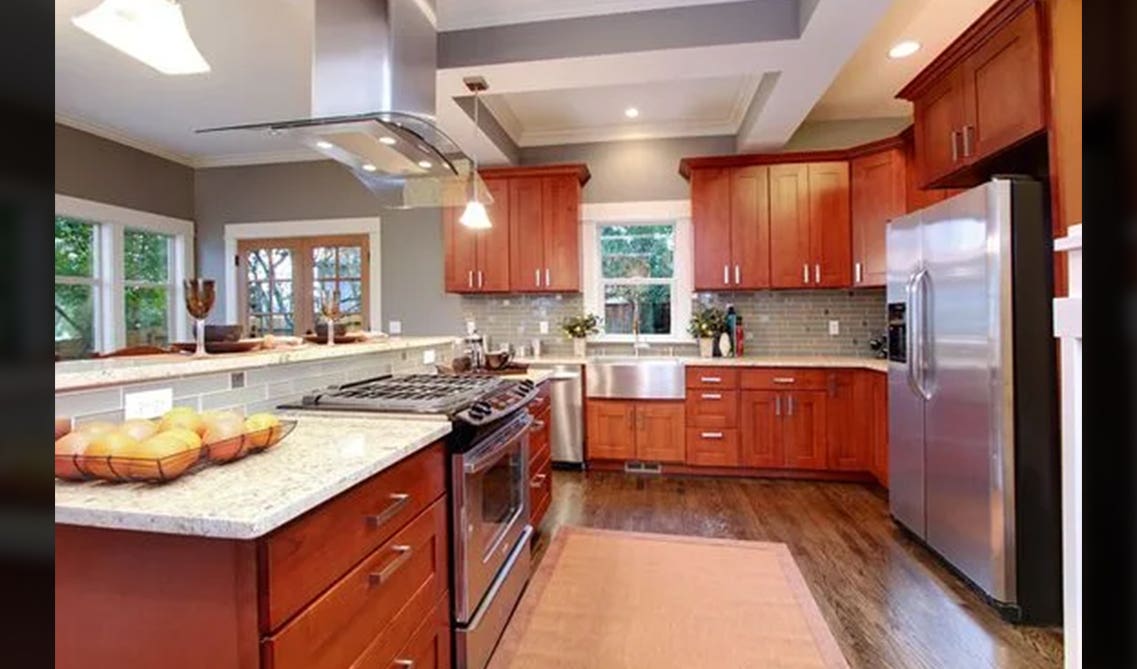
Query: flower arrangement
[707,322]
[579,327]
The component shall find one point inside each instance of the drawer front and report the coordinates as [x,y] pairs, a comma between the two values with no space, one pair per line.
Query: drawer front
[420,634]
[541,402]
[341,625]
[785,379]
[712,408]
[712,377]
[539,435]
[306,556]
[712,448]
[540,490]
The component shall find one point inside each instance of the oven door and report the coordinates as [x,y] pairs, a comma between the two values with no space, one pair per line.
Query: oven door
[491,510]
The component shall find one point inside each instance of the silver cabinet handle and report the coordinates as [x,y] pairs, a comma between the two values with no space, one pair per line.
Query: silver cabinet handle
[398,501]
[710,379]
[817,273]
[409,664]
[783,379]
[538,481]
[537,277]
[726,275]
[480,279]
[737,274]
[856,272]
[777,405]
[537,426]
[470,278]
[805,273]
[380,577]
[966,141]
[711,396]
[711,435]
[547,281]
[954,146]
[790,402]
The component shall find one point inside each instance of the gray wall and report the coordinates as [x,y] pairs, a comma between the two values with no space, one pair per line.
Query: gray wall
[411,263]
[98,169]
[632,170]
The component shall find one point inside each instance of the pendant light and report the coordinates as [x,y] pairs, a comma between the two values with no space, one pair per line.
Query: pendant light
[475,215]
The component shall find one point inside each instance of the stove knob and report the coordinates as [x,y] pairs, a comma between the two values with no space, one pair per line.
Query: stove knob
[526,385]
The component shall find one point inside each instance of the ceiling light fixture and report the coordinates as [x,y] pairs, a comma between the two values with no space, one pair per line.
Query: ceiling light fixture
[631,112]
[904,49]
[475,215]
[324,145]
[425,164]
[389,141]
[152,31]
[368,167]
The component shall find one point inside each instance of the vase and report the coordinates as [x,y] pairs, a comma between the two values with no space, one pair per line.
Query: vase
[579,347]
[706,347]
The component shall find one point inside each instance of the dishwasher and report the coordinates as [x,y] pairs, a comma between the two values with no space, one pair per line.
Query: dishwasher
[566,397]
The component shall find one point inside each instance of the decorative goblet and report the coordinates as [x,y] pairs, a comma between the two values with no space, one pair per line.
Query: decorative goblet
[199,295]
[330,308]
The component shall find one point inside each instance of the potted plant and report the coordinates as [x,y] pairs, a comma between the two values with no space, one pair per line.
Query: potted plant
[707,323]
[578,328]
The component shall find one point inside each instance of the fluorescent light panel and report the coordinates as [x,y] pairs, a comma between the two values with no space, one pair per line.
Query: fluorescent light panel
[152,31]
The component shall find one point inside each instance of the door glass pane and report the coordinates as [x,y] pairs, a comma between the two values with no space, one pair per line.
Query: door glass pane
[147,311]
[146,256]
[351,297]
[324,262]
[74,320]
[258,264]
[646,251]
[282,264]
[654,308]
[282,324]
[281,297]
[258,297]
[351,264]
[74,247]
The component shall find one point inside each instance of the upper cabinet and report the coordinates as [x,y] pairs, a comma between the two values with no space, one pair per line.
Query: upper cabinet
[985,93]
[809,225]
[534,244]
[877,182]
[730,214]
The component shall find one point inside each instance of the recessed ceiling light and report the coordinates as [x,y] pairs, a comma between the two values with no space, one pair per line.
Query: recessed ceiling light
[387,140]
[324,145]
[368,167]
[425,164]
[904,49]
[631,112]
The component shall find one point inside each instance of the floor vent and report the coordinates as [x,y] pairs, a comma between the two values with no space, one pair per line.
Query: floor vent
[643,468]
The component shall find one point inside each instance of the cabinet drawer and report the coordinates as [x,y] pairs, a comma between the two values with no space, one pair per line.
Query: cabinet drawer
[712,377]
[712,448]
[539,435]
[712,408]
[306,556]
[541,401]
[785,379]
[419,634]
[339,626]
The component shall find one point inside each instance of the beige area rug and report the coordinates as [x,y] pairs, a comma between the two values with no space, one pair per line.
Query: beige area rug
[614,600]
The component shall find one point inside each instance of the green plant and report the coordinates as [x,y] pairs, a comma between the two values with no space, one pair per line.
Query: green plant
[707,321]
[579,327]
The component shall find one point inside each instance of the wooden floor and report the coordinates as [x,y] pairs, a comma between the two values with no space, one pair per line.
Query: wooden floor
[889,603]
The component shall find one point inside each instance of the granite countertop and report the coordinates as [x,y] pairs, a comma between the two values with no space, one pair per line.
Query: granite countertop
[838,361]
[73,375]
[324,456]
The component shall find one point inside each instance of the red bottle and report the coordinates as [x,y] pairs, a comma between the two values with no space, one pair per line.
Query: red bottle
[739,337]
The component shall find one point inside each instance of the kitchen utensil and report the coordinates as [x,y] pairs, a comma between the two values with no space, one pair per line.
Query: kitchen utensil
[498,359]
[222,332]
[199,297]
[475,348]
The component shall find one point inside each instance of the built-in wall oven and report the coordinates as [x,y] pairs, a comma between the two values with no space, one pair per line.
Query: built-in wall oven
[490,497]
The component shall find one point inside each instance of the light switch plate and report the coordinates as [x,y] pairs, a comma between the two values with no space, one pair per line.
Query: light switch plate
[428,357]
[543,327]
[148,403]
[395,327]
[834,327]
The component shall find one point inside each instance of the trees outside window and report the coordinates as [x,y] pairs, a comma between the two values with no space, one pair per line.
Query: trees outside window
[76,287]
[637,263]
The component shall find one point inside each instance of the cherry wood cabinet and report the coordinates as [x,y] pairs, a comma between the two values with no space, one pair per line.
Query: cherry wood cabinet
[540,456]
[534,244]
[731,217]
[647,430]
[878,398]
[878,187]
[790,261]
[830,236]
[985,93]
[803,430]
[849,417]
[760,415]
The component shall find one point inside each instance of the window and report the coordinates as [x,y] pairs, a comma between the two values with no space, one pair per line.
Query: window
[147,290]
[76,287]
[637,260]
[283,281]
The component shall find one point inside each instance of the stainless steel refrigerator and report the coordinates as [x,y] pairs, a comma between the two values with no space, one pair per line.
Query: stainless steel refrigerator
[973,432]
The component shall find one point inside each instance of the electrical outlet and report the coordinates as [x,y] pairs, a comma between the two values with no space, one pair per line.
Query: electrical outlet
[395,327]
[505,303]
[544,327]
[148,403]
[471,326]
[428,357]
[834,327]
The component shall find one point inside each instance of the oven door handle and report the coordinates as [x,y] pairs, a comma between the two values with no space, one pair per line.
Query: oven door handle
[486,460]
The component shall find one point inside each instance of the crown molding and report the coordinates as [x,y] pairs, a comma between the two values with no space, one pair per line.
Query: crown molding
[119,137]
[618,133]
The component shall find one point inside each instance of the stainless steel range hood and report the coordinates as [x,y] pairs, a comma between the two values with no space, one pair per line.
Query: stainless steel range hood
[373,98]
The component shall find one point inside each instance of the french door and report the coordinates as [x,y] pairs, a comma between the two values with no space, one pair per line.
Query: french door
[282,281]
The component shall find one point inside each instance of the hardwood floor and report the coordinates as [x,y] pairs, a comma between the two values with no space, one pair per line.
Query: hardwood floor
[890,604]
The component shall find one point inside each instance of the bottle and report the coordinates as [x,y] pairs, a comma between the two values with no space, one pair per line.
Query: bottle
[739,336]
[731,325]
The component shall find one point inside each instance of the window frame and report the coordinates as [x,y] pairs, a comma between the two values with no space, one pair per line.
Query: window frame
[657,212]
[111,221]
[171,285]
[94,281]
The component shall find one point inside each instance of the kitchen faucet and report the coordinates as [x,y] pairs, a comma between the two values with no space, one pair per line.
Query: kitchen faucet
[636,343]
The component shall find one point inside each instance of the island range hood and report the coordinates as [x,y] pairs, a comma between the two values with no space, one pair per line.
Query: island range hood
[373,98]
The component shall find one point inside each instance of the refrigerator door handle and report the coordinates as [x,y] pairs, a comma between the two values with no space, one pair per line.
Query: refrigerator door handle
[919,366]
[927,350]
[910,337]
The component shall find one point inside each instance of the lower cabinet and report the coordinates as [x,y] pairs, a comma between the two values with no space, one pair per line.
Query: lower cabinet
[647,430]
[783,429]
[540,457]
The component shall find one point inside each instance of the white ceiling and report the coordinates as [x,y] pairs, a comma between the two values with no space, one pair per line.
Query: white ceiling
[461,14]
[867,84]
[711,106]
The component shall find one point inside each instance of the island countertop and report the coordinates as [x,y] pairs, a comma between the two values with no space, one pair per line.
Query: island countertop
[324,456]
[829,361]
[78,374]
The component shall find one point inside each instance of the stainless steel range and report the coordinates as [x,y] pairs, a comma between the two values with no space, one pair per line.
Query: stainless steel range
[489,491]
